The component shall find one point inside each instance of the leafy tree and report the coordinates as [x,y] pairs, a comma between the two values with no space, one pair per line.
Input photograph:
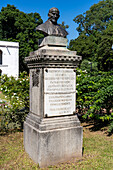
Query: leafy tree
[104,51]
[95,30]
[88,66]
[63,25]
[19,26]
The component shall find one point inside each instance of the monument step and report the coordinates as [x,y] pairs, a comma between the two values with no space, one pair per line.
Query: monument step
[53,122]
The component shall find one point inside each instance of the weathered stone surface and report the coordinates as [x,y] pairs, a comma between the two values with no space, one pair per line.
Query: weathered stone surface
[53,41]
[56,55]
[52,91]
[44,124]
[50,141]
[52,132]
[37,92]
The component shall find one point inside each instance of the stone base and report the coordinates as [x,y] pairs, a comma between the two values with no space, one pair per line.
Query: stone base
[49,141]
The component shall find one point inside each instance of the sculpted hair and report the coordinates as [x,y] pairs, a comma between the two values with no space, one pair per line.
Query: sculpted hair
[53,9]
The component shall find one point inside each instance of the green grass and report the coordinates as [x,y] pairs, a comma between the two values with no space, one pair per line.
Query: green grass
[98,152]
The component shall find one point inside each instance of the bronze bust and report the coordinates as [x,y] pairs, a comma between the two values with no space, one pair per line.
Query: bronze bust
[50,27]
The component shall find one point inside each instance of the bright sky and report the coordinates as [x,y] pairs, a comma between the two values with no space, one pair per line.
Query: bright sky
[68,10]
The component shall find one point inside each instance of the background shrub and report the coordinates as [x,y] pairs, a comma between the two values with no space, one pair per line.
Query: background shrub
[95,95]
[16,93]
[94,98]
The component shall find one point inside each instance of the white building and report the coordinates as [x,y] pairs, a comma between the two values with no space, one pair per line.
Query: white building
[9,58]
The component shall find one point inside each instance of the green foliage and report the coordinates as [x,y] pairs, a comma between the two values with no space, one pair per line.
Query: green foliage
[16,25]
[64,26]
[96,35]
[88,66]
[19,26]
[110,130]
[95,95]
[95,89]
[104,50]
[16,92]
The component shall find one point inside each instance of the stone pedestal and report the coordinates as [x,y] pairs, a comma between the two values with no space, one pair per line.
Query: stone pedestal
[52,131]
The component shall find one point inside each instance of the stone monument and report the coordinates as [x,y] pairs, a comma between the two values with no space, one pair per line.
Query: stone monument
[52,131]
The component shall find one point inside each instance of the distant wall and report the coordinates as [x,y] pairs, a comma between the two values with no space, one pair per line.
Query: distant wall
[9,58]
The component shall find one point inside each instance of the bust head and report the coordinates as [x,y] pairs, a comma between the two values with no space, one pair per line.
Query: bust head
[53,15]
[50,27]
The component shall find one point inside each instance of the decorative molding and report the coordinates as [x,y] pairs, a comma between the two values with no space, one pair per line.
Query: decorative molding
[53,65]
[35,77]
[53,61]
[52,58]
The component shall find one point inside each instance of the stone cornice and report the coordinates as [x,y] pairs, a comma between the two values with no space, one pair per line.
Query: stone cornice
[53,56]
[52,61]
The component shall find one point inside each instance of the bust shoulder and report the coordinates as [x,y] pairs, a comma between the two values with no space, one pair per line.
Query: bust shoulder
[48,28]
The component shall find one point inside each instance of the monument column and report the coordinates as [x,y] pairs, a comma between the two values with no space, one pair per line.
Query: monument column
[52,131]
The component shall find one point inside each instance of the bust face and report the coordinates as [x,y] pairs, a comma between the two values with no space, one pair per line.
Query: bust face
[53,15]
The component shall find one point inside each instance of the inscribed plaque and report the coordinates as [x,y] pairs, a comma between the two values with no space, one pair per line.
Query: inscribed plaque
[59,91]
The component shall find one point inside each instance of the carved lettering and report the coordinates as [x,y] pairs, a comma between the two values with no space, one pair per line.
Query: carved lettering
[59,90]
